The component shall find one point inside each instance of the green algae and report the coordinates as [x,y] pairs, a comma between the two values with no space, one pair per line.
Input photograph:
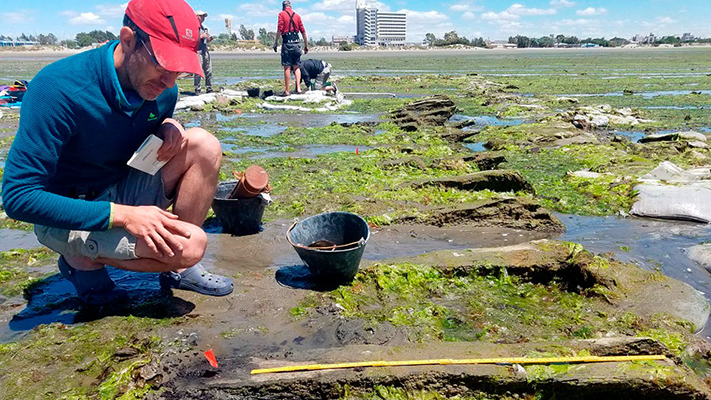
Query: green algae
[337,181]
[548,172]
[87,357]
[19,269]
[438,306]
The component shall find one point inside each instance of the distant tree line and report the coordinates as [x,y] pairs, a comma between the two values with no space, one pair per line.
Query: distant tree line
[263,37]
[562,40]
[451,38]
[266,38]
[82,39]
[42,39]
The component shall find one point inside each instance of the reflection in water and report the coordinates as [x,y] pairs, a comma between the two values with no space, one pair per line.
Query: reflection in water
[17,239]
[475,147]
[485,120]
[54,301]
[301,152]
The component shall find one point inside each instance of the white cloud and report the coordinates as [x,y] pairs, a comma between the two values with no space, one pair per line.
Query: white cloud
[111,11]
[665,20]
[520,9]
[577,22]
[259,10]
[500,17]
[465,8]
[468,15]
[315,17]
[561,3]
[424,17]
[334,5]
[87,18]
[346,19]
[592,11]
[19,17]
[515,12]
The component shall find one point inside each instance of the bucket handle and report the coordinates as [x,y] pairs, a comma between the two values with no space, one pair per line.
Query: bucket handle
[338,246]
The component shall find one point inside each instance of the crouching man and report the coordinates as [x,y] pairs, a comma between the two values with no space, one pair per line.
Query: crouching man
[81,120]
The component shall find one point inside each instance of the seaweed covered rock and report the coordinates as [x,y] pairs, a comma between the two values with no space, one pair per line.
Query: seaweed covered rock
[435,110]
[496,181]
[516,213]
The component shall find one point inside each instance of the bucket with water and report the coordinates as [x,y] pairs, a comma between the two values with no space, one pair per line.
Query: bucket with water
[330,244]
[240,216]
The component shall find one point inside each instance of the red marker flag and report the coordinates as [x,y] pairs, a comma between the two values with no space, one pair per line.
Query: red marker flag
[356,151]
[211,358]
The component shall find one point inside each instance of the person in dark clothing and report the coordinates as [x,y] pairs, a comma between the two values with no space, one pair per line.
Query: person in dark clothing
[319,71]
[289,25]
[204,54]
[82,119]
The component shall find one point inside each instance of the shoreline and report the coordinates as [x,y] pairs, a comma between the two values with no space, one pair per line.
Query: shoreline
[26,53]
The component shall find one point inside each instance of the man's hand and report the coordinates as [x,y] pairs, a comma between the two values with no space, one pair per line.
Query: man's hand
[275,46]
[158,228]
[306,49]
[173,135]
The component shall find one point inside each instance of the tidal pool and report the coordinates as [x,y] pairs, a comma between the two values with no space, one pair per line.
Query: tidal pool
[646,95]
[652,244]
[475,147]
[485,120]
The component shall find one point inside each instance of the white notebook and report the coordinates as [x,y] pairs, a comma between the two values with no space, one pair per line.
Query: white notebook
[146,157]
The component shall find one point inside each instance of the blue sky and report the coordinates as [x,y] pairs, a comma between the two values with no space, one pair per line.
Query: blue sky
[494,19]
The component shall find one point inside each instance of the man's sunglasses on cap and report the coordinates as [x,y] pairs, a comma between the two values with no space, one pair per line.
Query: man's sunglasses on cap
[156,64]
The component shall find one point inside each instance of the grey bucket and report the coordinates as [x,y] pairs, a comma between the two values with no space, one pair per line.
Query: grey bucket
[338,263]
[237,216]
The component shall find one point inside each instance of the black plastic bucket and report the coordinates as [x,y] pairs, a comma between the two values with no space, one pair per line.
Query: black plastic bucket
[237,216]
[337,241]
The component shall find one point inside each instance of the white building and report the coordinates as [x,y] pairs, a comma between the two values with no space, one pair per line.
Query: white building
[336,40]
[392,28]
[375,28]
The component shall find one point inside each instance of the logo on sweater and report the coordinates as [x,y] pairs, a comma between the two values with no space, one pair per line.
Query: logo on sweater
[152,117]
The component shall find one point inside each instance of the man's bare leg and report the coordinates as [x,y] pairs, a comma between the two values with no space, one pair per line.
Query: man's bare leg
[297,76]
[192,177]
[287,78]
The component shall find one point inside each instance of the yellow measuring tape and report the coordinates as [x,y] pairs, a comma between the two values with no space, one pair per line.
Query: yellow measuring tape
[447,361]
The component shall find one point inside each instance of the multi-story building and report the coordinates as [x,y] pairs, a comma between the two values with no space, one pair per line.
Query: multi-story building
[375,28]
[336,40]
[392,28]
[366,24]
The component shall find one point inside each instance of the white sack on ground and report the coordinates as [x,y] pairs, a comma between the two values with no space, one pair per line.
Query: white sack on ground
[672,192]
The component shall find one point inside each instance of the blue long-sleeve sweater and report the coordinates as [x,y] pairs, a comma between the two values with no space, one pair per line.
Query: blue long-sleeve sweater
[77,129]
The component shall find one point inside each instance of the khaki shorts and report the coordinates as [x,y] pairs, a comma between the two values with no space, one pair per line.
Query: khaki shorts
[135,189]
[322,78]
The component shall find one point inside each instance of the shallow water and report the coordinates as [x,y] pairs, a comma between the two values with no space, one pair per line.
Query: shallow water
[651,244]
[309,151]
[282,120]
[16,239]
[475,147]
[486,120]
[263,130]
[646,95]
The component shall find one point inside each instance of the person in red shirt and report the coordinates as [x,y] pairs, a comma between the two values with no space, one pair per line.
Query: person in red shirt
[289,26]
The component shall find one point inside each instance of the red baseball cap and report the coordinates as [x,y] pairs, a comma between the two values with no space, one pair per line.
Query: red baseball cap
[174,31]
